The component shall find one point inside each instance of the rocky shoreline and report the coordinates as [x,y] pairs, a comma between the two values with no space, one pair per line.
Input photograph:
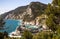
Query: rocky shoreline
[32,28]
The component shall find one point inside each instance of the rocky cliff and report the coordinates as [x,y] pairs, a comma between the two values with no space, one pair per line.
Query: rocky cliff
[27,13]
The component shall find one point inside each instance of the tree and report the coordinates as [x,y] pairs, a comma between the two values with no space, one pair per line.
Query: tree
[50,22]
[56,2]
[53,13]
[1,35]
[48,9]
[5,34]
[43,35]
[27,35]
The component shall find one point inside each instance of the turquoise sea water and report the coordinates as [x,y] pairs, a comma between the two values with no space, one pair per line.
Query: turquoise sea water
[11,25]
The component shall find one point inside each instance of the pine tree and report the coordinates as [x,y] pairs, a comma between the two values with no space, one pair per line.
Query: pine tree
[53,13]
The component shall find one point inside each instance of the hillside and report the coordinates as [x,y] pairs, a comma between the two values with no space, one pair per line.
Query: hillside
[27,13]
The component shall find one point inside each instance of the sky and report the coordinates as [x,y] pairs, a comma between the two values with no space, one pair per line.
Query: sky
[7,5]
